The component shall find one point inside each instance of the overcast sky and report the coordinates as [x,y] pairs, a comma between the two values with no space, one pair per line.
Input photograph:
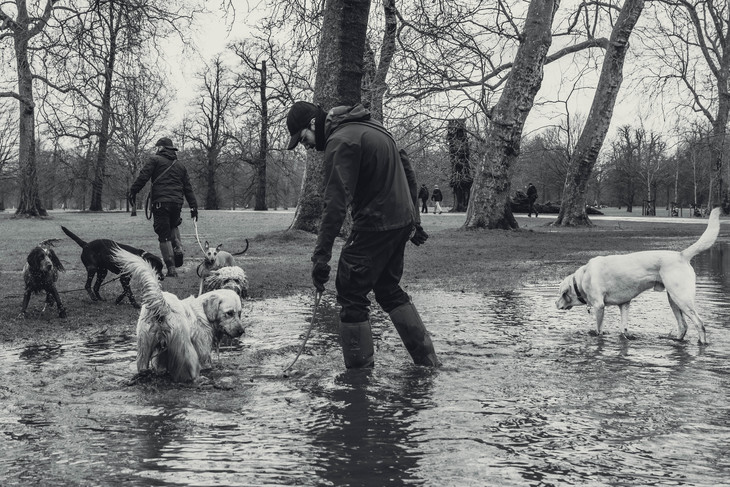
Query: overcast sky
[213,34]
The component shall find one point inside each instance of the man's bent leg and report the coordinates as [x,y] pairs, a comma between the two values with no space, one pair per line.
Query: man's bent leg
[414,335]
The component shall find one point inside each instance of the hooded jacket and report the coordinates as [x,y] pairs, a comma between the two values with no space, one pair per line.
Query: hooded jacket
[364,168]
[172,186]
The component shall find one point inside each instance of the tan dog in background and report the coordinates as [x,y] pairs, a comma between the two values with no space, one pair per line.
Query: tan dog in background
[179,335]
[617,279]
[215,258]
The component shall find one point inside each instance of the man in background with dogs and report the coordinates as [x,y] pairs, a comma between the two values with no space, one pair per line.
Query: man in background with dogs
[170,183]
[364,168]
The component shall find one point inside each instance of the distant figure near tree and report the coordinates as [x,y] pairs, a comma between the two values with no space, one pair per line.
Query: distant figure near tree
[531,198]
[437,197]
[423,195]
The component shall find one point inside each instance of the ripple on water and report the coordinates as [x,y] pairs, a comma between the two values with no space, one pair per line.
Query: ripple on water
[525,397]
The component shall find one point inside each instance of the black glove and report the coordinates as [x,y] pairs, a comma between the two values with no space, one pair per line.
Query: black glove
[420,236]
[194,213]
[320,275]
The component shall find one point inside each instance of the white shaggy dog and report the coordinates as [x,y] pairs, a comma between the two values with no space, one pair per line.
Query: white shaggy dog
[178,335]
[229,277]
[617,279]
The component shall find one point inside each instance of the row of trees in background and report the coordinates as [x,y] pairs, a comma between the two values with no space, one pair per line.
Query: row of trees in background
[455,81]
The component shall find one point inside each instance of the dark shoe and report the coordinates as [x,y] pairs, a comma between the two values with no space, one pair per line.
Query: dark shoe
[357,345]
[171,271]
[414,335]
[179,258]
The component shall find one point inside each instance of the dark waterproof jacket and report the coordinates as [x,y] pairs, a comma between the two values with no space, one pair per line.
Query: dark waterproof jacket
[364,168]
[423,193]
[171,186]
[437,196]
[531,193]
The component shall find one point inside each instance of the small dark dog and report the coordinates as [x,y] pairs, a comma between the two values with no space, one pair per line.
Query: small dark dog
[97,257]
[40,273]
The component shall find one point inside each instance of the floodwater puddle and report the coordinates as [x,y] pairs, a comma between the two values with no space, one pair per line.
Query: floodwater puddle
[525,397]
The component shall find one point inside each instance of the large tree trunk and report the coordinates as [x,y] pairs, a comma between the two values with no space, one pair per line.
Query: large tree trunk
[580,167]
[459,155]
[97,186]
[260,204]
[489,206]
[211,197]
[373,84]
[30,202]
[339,77]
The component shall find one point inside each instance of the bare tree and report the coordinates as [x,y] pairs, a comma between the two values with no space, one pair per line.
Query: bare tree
[93,52]
[585,155]
[489,204]
[218,100]
[692,43]
[22,30]
[339,78]
[143,101]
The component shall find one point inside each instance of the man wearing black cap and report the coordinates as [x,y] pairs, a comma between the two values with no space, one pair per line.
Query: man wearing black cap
[364,168]
[170,182]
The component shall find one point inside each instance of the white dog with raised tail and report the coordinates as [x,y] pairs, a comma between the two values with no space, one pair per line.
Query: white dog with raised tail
[178,335]
[617,279]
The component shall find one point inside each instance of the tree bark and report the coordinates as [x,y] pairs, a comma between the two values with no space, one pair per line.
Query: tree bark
[490,206]
[573,205]
[339,78]
[260,204]
[23,29]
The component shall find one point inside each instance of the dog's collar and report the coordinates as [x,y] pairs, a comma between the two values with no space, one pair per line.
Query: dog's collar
[577,292]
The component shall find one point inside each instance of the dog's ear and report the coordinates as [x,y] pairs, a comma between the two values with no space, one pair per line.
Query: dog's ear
[206,246]
[56,261]
[210,305]
[218,248]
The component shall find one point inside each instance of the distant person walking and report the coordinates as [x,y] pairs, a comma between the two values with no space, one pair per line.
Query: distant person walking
[170,184]
[423,196]
[531,198]
[437,198]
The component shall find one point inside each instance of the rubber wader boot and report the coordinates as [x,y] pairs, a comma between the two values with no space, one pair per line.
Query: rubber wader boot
[177,247]
[414,335]
[357,345]
[167,257]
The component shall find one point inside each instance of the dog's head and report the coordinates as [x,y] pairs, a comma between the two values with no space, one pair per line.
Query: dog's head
[211,253]
[229,277]
[569,294]
[44,259]
[156,264]
[223,309]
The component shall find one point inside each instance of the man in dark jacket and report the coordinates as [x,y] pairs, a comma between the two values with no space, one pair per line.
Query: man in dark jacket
[170,183]
[423,196]
[364,168]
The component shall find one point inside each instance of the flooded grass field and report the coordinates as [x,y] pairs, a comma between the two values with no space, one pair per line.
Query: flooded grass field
[525,397]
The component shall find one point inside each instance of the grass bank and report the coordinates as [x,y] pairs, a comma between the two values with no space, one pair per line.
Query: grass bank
[277,262]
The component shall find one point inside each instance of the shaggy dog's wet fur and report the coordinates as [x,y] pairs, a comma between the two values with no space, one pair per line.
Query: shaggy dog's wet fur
[178,335]
[229,277]
[617,279]
[40,274]
[98,260]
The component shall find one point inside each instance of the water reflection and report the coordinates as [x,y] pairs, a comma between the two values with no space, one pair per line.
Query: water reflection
[371,438]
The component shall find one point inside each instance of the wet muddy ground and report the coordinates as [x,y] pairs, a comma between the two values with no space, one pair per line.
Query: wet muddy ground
[525,397]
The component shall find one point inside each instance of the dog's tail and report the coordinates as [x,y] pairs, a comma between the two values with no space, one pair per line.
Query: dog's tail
[707,239]
[73,236]
[142,271]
